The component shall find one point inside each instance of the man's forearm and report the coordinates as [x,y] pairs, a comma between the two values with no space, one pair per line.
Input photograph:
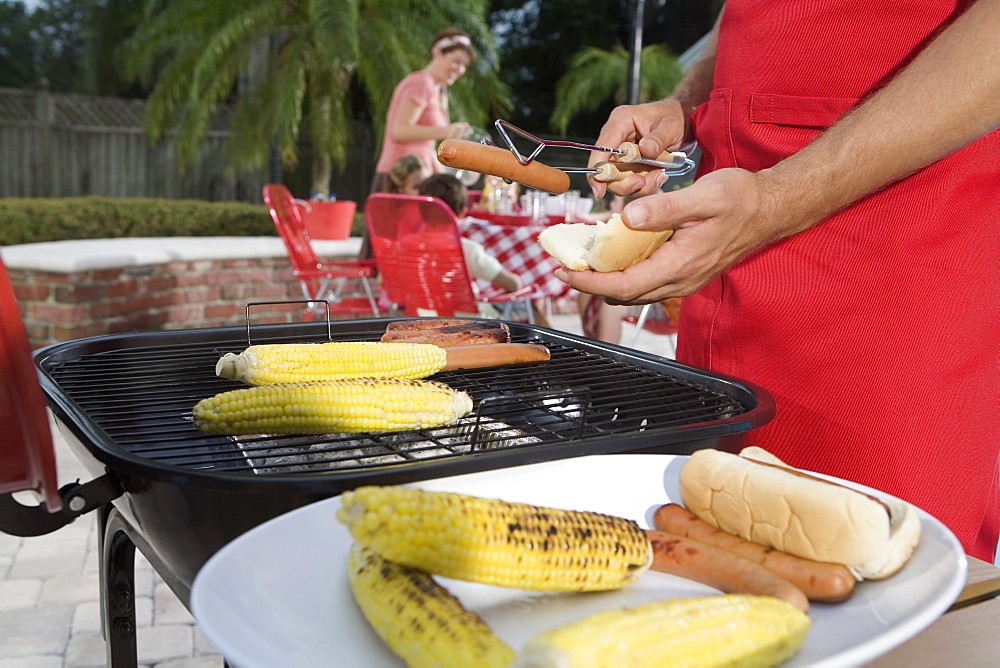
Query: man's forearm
[946,98]
[695,86]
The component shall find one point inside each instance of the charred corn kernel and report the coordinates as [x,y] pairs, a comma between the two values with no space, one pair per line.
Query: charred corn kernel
[698,632]
[303,362]
[333,406]
[418,618]
[495,542]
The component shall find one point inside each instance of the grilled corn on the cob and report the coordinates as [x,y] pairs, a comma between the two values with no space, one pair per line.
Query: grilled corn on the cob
[301,362]
[336,406]
[494,542]
[697,632]
[418,618]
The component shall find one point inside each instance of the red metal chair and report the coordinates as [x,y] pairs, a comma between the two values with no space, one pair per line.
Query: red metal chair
[418,249]
[316,277]
[26,449]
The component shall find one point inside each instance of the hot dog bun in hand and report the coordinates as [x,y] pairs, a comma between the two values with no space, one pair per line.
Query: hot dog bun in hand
[760,498]
[610,246]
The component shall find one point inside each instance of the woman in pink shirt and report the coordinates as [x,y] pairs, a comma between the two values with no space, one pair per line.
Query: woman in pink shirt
[418,113]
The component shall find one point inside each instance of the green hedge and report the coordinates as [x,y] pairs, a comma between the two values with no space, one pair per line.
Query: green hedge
[24,221]
[31,220]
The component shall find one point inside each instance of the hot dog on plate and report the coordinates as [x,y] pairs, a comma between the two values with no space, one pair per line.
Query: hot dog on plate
[720,568]
[828,583]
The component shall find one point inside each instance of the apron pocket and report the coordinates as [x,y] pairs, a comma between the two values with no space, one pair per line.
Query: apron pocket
[712,126]
[796,110]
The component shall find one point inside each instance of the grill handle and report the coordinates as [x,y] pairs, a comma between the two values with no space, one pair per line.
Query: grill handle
[18,519]
[311,303]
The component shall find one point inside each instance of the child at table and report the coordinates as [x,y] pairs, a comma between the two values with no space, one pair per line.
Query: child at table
[403,178]
[480,263]
[406,175]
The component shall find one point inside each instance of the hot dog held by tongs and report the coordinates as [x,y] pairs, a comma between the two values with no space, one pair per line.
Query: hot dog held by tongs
[486,159]
[508,162]
[610,246]
[496,161]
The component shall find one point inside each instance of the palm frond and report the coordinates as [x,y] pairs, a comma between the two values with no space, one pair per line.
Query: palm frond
[331,29]
[270,112]
[175,28]
[230,40]
[596,75]
[204,53]
[660,72]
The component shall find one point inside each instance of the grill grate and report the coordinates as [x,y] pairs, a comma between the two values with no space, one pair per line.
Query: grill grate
[139,392]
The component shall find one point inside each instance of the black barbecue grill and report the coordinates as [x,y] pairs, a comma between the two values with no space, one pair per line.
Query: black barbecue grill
[124,405]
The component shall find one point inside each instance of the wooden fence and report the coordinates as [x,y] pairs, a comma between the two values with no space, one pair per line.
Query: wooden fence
[68,145]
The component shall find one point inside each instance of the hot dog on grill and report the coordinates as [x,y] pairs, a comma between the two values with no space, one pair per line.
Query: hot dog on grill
[485,159]
[427,323]
[471,332]
[759,498]
[494,354]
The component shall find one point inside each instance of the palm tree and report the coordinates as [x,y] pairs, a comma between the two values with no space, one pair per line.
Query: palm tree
[596,74]
[295,64]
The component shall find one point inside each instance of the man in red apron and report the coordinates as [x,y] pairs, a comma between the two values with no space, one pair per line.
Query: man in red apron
[841,246]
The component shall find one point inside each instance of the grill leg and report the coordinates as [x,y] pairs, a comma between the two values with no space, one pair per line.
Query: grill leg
[117,589]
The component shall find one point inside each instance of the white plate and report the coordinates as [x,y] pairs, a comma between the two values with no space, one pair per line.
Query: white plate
[278,595]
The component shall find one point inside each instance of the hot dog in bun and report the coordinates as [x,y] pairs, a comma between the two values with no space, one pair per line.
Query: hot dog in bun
[610,246]
[760,498]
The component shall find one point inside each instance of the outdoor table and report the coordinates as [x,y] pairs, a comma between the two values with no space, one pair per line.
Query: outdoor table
[516,246]
[966,635]
[514,219]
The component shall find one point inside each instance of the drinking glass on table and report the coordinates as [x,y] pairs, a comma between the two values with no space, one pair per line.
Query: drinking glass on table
[508,198]
[571,199]
[536,205]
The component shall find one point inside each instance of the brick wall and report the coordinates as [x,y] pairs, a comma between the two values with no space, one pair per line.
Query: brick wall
[179,295]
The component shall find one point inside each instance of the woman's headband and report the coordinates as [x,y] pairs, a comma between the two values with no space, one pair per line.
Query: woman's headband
[452,40]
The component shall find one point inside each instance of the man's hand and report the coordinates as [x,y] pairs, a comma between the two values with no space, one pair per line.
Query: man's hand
[719,219]
[656,127]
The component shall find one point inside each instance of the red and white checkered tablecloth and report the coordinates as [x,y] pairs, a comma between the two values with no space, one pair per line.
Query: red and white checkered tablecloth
[518,250]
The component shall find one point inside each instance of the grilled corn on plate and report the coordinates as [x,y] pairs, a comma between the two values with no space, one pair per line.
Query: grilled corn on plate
[697,632]
[419,620]
[495,542]
[336,406]
[302,362]
[404,535]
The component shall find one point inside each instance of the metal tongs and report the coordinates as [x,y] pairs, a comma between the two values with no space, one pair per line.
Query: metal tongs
[674,163]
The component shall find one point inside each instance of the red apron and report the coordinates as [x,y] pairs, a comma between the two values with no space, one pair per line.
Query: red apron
[877,331]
